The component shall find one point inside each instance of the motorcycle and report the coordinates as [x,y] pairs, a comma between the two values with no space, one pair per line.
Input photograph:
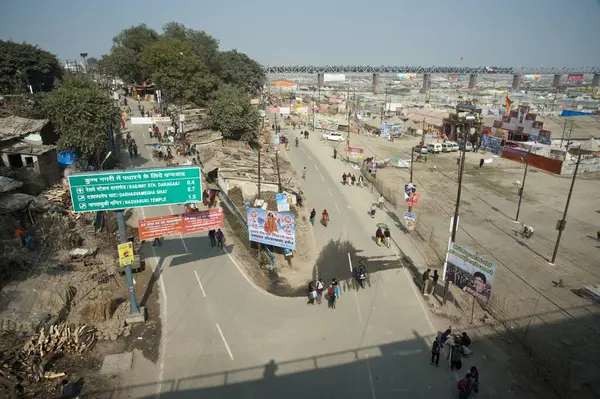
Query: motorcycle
[360,275]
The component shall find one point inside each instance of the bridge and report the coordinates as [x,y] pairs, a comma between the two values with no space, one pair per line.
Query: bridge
[517,73]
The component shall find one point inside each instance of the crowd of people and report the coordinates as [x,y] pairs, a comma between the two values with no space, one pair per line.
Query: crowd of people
[316,292]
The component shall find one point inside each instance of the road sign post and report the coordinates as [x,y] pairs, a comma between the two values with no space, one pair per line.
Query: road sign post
[117,190]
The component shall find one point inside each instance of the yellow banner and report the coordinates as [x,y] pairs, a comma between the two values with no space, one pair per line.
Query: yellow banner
[126,254]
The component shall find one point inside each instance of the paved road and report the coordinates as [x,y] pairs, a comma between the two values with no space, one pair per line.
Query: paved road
[224,337]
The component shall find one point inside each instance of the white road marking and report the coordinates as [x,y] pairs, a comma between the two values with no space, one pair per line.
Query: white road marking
[316,167]
[330,193]
[224,341]
[244,273]
[309,157]
[180,235]
[355,293]
[338,209]
[302,149]
[200,284]
[420,300]
[370,378]
[322,178]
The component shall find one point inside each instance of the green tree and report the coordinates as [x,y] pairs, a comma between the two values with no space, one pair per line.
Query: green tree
[27,106]
[81,113]
[201,43]
[123,60]
[232,114]
[178,70]
[23,64]
[240,70]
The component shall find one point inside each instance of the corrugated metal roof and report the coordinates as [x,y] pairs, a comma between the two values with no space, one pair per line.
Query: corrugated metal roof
[15,127]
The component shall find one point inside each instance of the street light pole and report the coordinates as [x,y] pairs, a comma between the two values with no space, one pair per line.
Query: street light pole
[522,186]
[563,221]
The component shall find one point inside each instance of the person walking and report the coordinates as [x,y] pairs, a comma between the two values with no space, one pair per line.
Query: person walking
[312,293]
[434,281]
[324,218]
[455,358]
[387,237]
[135,149]
[130,150]
[435,353]
[213,240]
[426,282]
[313,214]
[475,374]
[336,292]
[331,296]
[220,238]
[320,288]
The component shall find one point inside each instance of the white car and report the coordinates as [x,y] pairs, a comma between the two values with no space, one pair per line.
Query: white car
[434,148]
[333,136]
[454,146]
[420,150]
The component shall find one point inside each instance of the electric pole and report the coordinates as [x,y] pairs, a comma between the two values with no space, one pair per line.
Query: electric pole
[348,113]
[563,221]
[412,158]
[522,186]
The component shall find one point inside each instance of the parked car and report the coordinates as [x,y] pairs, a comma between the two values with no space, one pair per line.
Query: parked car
[447,147]
[333,136]
[434,148]
[468,147]
[454,146]
[420,150]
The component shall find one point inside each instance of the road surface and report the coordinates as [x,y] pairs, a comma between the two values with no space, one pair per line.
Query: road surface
[222,336]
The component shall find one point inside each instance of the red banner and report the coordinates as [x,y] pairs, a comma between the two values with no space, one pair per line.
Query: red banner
[165,226]
[575,77]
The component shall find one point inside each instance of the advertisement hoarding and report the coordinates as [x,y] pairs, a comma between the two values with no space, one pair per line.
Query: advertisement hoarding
[188,223]
[532,78]
[334,77]
[272,228]
[469,271]
[575,78]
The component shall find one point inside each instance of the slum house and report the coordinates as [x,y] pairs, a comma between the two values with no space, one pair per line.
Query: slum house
[29,143]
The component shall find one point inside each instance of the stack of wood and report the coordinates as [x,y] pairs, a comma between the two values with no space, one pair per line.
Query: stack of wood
[61,338]
[57,194]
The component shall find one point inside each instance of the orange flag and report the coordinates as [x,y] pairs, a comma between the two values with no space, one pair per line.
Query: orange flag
[508,102]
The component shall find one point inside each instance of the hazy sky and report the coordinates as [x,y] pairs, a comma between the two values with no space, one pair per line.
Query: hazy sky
[512,33]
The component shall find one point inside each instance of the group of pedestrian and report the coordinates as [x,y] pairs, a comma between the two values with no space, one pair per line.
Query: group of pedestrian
[209,198]
[304,133]
[427,276]
[324,217]
[469,383]
[350,180]
[382,236]
[315,292]
[217,238]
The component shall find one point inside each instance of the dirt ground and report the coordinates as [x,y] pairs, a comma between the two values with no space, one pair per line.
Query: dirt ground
[289,275]
[41,281]
[525,298]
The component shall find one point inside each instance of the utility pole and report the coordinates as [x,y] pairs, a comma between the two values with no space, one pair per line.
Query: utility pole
[563,221]
[563,133]
[522,186]
[412,158]
[348,114]
[278,174]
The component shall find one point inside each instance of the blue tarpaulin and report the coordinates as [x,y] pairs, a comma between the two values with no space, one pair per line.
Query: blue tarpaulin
[569,112]
[66,158]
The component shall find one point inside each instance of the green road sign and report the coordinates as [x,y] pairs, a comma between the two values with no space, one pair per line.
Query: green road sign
[136,188]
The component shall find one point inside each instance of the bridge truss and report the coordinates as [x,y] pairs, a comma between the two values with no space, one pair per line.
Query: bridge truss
[348,69]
